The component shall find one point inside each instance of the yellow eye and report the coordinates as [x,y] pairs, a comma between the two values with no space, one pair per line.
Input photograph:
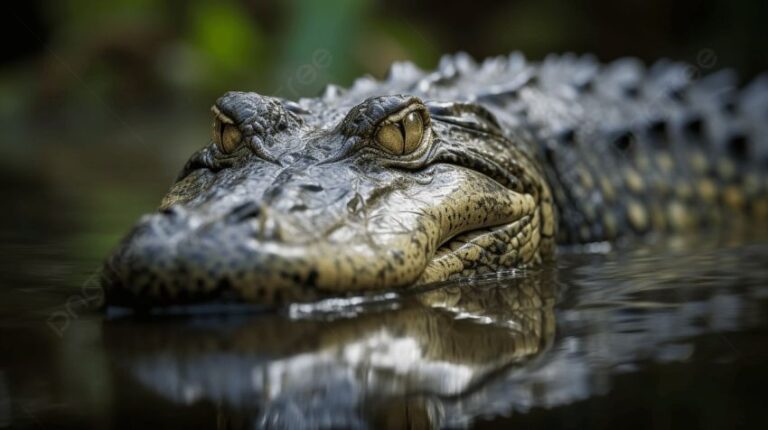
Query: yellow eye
[226,136]
[391,138]
[402,137]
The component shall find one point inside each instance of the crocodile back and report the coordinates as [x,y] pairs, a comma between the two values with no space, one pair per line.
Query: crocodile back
[634,150]
[626,149]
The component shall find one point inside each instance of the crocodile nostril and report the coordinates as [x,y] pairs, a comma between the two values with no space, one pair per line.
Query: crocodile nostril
[245,211]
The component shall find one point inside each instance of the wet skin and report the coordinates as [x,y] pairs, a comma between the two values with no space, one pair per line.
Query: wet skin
[426,177]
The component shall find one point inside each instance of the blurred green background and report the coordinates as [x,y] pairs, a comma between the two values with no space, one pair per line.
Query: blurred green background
[102,101]
[108,58]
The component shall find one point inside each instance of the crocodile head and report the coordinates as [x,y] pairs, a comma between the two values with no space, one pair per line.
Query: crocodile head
[290,203]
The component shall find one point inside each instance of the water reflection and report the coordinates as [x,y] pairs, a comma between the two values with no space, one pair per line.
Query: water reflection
[406,360]
[451,356]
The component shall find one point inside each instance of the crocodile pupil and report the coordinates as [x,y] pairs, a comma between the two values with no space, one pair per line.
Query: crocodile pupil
[414,129]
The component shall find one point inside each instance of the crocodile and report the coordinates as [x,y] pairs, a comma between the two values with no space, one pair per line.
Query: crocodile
[430,176]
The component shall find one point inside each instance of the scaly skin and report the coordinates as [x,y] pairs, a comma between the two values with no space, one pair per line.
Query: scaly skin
[427,177]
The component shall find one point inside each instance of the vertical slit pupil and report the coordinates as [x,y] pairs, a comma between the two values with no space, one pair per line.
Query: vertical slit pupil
[400,127]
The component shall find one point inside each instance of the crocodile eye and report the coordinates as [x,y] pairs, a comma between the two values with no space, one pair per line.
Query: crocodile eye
[226,135]
[402,137]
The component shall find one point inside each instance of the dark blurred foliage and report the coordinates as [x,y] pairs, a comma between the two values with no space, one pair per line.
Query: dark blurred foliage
[86,55]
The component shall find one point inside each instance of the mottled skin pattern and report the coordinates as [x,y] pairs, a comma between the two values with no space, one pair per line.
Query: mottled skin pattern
[430,176]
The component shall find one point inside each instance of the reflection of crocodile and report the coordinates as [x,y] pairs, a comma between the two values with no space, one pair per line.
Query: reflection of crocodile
[479,167]
[414,352]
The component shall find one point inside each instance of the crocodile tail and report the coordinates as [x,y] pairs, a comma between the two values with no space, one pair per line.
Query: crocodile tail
[629,150]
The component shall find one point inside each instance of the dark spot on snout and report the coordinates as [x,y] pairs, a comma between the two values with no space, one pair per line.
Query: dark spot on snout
[311,187]
[245,211]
